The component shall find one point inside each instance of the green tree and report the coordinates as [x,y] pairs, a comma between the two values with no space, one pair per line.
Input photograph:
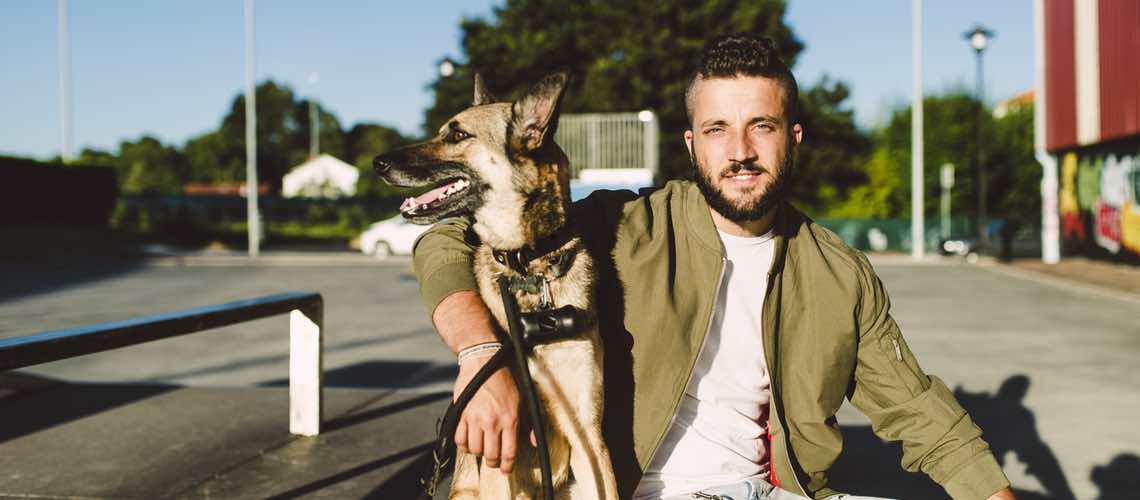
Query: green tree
[148,166]
[625,56]
[283,132]
[949,137]
[832,158]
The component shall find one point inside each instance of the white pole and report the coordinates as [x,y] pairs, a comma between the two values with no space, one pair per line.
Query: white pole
[1050,221]
[947,183]
[917,230]
[65,111]
[253,221]
[306,394]
[314,118]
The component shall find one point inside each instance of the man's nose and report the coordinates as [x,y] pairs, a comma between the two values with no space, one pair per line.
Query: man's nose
[741,149]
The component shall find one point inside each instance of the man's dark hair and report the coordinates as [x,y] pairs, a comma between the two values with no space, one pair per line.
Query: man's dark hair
[743,54]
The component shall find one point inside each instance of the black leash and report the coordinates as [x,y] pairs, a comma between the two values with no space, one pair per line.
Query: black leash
[443,455]
[526,329]
[526,385]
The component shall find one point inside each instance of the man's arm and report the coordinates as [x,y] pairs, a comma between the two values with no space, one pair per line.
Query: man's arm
[490,423]
[904,404]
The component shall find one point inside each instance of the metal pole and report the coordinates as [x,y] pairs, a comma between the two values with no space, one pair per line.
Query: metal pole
[315,130]
[314,118]
[65,111]
[947,183]
[1050,220]
[980,169]
[253,221]
[917,222]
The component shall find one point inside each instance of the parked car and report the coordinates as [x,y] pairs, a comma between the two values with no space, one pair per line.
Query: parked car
[1008,239]
[389,237]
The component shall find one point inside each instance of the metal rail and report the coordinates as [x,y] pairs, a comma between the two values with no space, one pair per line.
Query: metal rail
[306,319]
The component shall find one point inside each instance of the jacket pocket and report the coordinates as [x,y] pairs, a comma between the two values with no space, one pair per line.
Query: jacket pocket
[898,355]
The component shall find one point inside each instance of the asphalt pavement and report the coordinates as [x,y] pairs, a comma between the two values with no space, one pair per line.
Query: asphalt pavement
[1046,369]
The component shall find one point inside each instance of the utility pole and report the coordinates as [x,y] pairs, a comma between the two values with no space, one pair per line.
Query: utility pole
[947,185]
[253,218]
[917,201]
[65,110]
[314,118]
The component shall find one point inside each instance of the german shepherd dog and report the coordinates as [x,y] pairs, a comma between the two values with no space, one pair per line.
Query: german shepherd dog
[498,162]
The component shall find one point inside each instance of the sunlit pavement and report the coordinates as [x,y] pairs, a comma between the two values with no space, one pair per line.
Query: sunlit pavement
[204,415]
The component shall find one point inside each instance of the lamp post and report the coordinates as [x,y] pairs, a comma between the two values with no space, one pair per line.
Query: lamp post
[66,152]
[253,218]
[979,37]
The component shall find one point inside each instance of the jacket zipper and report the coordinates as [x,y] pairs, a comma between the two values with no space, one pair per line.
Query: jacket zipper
[772,378]
[708,330]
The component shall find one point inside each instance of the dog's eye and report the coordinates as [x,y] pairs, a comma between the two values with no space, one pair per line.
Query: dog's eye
[457,135]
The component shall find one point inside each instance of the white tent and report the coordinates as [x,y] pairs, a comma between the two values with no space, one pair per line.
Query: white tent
[320,177]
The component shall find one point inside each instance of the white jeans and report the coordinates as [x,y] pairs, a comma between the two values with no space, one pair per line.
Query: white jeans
[754,489]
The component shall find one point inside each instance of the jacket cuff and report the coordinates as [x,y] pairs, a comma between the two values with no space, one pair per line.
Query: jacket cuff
[445,279]
[978,479]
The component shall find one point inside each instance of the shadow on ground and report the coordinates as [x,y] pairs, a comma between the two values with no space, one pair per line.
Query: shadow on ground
[869,466]
[29,277]
[45,403]
[384,375]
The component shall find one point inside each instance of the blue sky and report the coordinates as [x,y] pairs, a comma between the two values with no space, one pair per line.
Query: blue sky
[171,68]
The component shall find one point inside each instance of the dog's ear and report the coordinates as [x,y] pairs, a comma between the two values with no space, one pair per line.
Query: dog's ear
[533,115]
[482,95]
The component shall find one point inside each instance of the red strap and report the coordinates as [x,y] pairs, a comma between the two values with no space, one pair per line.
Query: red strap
[771,460]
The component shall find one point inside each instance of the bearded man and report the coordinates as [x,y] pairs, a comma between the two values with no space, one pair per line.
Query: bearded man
[734,326]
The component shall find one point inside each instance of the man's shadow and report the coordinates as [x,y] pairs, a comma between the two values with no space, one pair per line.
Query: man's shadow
[1008,426]
[869,466]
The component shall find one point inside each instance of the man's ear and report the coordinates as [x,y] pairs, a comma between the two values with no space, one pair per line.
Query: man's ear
[797,134]
[534,114]
[482,95]
[688,135]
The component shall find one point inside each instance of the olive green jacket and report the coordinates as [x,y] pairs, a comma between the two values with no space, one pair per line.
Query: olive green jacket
[827,335]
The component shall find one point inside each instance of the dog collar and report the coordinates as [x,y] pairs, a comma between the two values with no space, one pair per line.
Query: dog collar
[519,260]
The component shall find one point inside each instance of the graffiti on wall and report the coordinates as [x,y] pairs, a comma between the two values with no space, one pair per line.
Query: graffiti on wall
[1098,201]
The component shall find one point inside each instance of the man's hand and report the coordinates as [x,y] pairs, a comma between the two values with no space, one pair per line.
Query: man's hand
[1005,494]
[490,424]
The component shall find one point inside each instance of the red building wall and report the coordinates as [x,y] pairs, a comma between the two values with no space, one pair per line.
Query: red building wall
[1119,47]
[1060,75]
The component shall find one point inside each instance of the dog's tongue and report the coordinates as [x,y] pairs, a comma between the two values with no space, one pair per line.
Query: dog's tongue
[412,204]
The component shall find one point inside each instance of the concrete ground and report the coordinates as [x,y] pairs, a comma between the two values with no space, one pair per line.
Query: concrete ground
[1045,367]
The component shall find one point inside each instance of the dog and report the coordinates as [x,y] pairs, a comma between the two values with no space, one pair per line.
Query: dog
[497,161]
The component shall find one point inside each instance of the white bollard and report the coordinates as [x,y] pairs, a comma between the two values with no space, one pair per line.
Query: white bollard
[306,403]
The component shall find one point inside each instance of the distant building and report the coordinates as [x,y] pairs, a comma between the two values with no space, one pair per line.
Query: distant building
[320,177]
[221,189]
[1089,124]
[1012,104]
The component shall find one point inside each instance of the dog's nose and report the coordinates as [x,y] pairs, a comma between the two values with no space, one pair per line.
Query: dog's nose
[380,164]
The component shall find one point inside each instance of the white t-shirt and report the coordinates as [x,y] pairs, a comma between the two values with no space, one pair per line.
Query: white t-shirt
[720,432]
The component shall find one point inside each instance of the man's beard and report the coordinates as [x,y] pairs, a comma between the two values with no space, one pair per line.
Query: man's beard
[752,209]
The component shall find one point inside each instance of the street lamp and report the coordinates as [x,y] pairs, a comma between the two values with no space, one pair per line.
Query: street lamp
[979,37]
[446,68]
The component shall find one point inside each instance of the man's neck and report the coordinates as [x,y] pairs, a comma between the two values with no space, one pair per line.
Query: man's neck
[748,228]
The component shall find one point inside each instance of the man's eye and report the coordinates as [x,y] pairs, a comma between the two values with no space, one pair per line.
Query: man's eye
[714,130]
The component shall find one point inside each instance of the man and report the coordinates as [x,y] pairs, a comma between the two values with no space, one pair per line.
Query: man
[734,326]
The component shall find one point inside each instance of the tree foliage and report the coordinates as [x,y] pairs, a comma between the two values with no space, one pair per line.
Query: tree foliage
[949,137]
[624,56]
[218,156]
